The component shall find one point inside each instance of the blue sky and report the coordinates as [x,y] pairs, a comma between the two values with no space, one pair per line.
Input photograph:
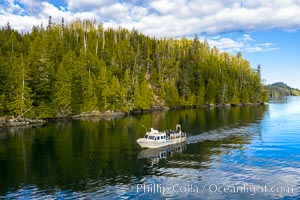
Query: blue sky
[267,32]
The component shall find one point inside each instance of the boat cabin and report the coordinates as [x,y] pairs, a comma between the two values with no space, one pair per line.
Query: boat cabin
[165,135]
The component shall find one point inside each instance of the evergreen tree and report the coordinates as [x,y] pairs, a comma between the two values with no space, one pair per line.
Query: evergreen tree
[21,101]
[138,98]
[63,94]
[200,98]
[90,97]
[170,94]
[102,86]
[245,97]
[4,72]
[146,95]
[116,69]
[2,104]
[211,91]
[126,92]
[223,94]
[114,98]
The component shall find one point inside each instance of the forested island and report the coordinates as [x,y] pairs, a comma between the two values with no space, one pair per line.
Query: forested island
[281,89]
[66,69]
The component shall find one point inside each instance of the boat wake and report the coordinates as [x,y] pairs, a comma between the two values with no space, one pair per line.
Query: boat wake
[154,155]
[221,133]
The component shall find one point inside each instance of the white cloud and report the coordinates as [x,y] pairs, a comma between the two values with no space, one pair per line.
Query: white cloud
[12,7]
[244,44]
[254,49]
[138,13]
[246,38]
[163,6]
[171,18]
[117,12]
[226,44]
[50,10]
[23,23]
[31,7]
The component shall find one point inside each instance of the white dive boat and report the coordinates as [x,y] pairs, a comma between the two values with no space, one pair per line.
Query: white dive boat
[156,139]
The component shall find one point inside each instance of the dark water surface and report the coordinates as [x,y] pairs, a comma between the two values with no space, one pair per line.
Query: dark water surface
[231,153]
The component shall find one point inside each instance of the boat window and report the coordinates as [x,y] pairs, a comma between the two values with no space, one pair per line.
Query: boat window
[151,137]
[146,136]
[161,137]
[158,138]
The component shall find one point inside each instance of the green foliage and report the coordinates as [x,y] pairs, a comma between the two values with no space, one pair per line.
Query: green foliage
[280,89]
[102,87]
[82,67]
[90,97]
[113,95]
[21,100]
[211,92]
[2,104]
[170,94]
[62,96]
[139,102]
[45,110]
[146,95]
[200,97]
[235,99]
[245,97]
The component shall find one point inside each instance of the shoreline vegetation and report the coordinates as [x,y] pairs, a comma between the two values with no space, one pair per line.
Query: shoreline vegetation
[80,69]
[10,121]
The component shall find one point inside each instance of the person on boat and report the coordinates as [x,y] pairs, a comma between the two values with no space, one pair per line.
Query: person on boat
[168,133]
[171,134]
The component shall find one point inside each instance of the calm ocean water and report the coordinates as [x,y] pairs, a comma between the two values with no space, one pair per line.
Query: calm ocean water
[231,153]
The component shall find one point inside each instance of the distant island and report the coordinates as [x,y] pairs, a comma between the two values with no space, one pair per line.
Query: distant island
[281,89]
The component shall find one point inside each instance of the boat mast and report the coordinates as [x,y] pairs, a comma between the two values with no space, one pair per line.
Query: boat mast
[144,127]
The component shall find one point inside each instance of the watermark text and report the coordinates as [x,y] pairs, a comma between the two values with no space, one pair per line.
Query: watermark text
[213,189]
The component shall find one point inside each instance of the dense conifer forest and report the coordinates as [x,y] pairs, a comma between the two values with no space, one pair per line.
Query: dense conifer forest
[69,68]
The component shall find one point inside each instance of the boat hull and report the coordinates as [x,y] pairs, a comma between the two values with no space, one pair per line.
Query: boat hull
[144,143]
[162,152]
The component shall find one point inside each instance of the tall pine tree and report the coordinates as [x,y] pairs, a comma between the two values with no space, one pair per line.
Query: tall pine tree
[21,101]
[63,94]
[90,97]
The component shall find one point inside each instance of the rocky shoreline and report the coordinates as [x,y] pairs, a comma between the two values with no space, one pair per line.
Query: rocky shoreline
[13,122]
[96,113]
[7,121]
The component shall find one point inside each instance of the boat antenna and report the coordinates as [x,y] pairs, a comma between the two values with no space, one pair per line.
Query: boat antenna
[143,127]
